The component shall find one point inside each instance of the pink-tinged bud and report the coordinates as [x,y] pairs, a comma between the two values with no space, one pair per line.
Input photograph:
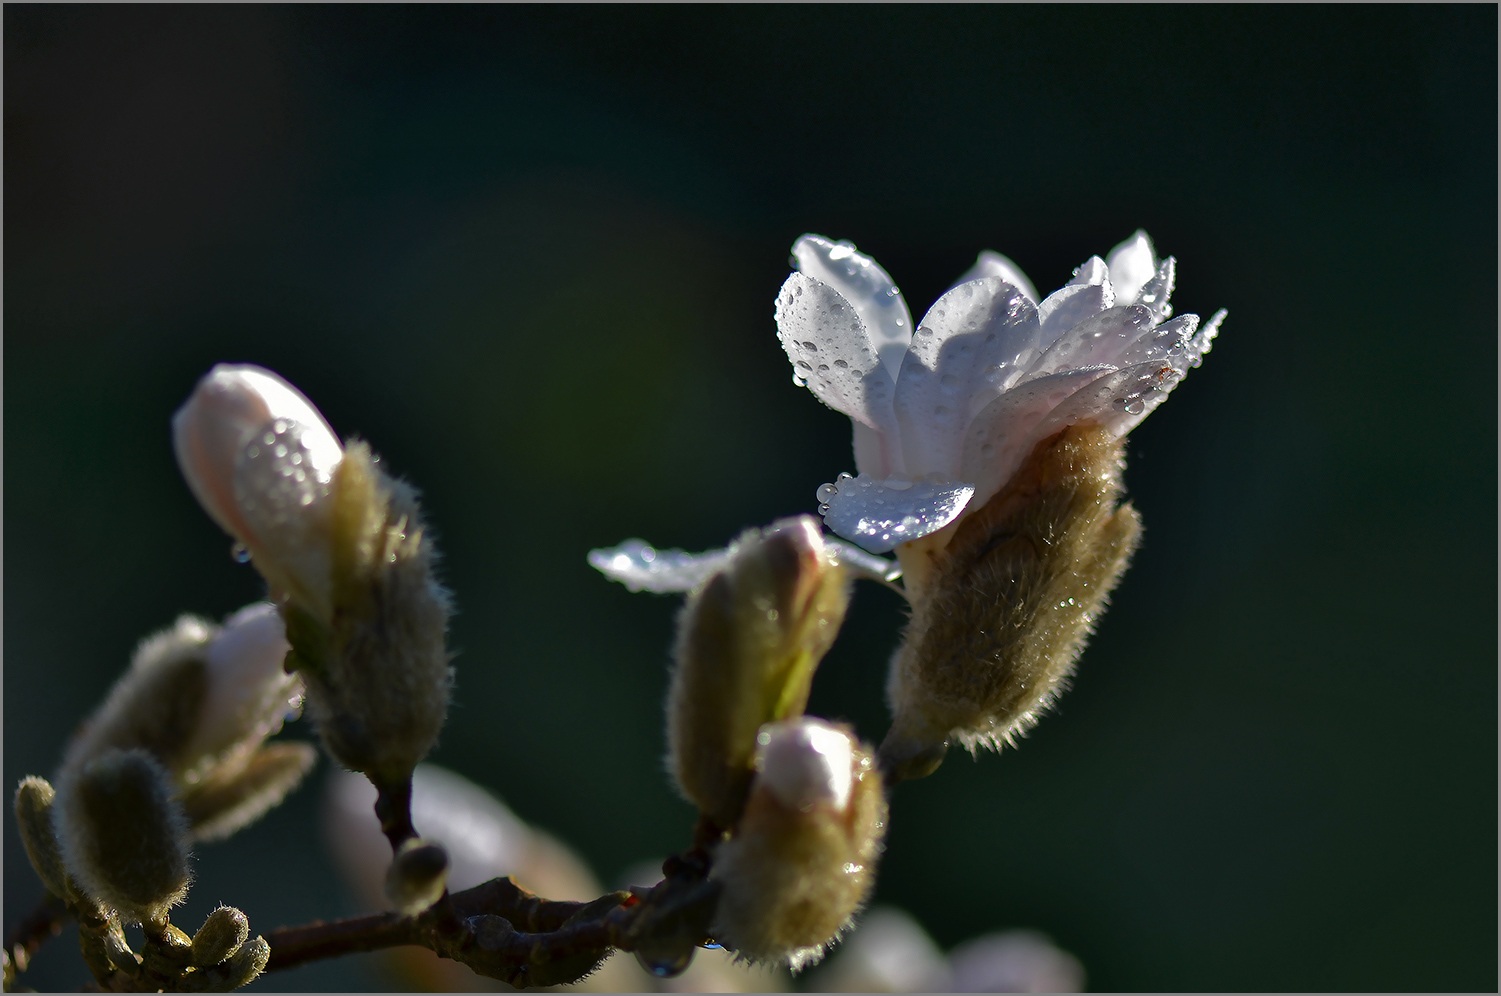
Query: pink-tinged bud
[802,860]
[259,458]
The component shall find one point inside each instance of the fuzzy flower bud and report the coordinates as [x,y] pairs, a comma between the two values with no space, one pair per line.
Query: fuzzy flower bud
[802,860]
[749,642]
[1012,600]
[123,833]
[202,699]
[345,555]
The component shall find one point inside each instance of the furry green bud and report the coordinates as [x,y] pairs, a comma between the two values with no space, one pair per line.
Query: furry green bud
[377,669]
[221,935]
[418,876]
[34,797]
[1009,603]
[802,860]
[123,834]
[748,643]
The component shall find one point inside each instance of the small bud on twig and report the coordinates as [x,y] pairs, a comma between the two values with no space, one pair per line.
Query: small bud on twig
[417,877]
[749,642]
[802,860]
[221,935]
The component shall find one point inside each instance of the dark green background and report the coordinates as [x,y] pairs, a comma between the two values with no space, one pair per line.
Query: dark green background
[531,255]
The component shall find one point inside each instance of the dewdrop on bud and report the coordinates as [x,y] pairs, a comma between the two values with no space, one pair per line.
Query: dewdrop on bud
[748,643]
[1011,600]
[123,834]
[802,860]
[221,935]
[34,798]
[418,876]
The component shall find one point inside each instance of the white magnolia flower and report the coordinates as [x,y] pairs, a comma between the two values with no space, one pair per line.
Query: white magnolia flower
[259,458]
[945,414]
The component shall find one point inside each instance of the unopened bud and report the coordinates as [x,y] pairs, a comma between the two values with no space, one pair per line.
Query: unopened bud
[802,860]
[221,935]
[34,797]
[124,834]
[259,458]
[749,642]
[342,547]
[245,965]
[234,797]
[418,876]
[1010,602]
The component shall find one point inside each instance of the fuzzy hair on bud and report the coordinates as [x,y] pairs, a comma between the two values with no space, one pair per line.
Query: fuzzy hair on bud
[418,876]
[748,643]
[245,965]
[377,669]
[34,798]
[124,835]
[802,861]
[1010,602]
[221,935]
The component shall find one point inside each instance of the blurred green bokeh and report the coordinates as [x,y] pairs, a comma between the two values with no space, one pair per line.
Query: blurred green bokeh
[530,254]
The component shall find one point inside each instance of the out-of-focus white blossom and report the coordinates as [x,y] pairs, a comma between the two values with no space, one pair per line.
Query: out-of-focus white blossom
[887,952]
[946,413]
[1013,961]
[259,458]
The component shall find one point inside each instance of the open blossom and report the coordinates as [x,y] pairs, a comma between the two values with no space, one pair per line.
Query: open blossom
[945,414]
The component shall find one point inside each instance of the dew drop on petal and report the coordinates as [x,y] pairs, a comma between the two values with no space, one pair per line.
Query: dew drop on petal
[240,552]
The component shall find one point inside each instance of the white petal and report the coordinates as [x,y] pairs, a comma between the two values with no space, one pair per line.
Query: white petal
[880,515]
[1086,295]
[1001,436]
[993,264]
[1166,343]
[1099,339]
[832,352]
[642,567]
[972,344]
[248,693]
[1117,401]
[864,285]
[1132,264]
[1157,290]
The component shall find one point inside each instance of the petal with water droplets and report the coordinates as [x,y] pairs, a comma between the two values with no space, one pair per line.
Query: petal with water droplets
[880,515]
[832,352]
[642,567]
[867,287]
[1001,436]
[1086,295]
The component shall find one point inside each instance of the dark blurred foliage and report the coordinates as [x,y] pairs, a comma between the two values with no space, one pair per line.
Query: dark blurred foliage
[530,253]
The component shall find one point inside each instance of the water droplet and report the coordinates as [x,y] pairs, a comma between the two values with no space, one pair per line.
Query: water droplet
[987,450]
[1134,405]
[240,552]
[811,347]
[841,364]
[949,384]
[826,492]
[844,476]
